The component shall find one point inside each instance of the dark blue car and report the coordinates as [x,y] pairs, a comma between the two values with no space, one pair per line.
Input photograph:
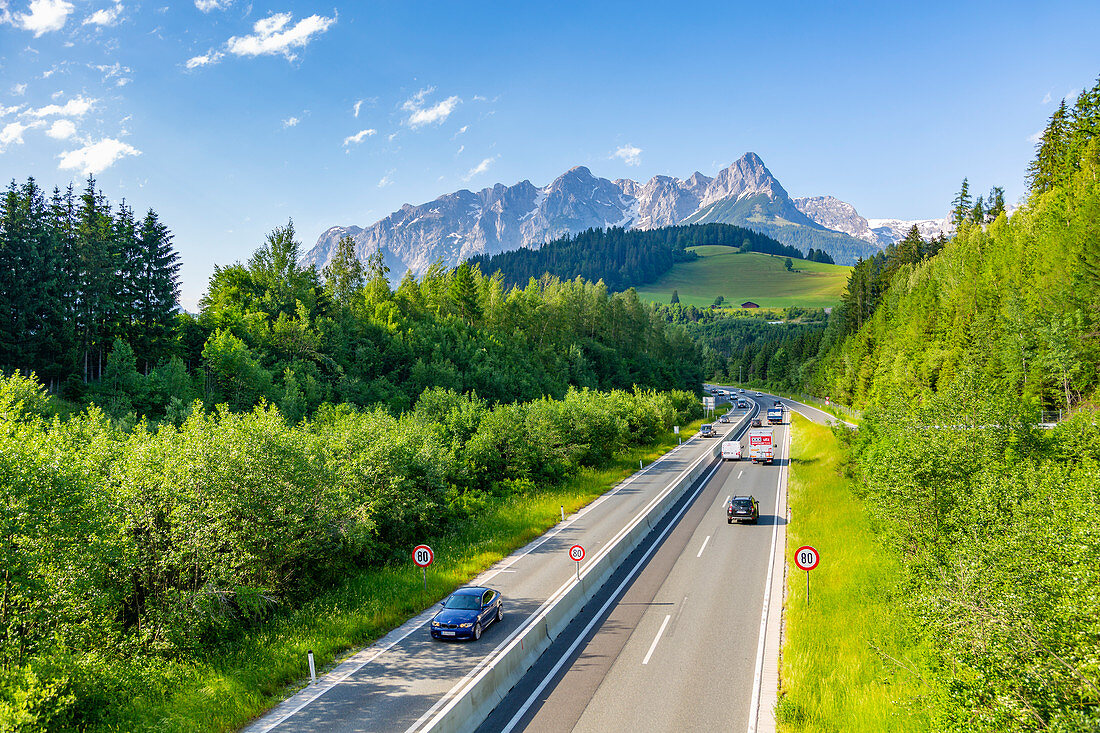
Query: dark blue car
[466,613]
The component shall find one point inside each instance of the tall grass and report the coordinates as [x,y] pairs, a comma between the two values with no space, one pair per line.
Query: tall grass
[226,689]
[851,659]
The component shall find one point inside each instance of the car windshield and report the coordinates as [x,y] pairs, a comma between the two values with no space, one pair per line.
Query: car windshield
[463,602]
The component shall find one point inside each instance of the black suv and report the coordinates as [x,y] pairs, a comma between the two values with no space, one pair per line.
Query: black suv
[743,509]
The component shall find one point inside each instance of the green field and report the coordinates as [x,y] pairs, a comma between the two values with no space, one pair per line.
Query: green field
[739,277]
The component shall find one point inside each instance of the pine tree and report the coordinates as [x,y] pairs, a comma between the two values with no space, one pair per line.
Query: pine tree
[961,205]
[464,293]
[157,297]
[675,297]
[977,213]
[1050,153]
[996,203]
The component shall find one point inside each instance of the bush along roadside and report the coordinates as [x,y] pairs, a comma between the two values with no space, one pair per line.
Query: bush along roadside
[852,658]
[172,579]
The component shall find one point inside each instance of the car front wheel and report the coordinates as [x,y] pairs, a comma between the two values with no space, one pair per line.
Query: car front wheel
[500,613]
[477,631]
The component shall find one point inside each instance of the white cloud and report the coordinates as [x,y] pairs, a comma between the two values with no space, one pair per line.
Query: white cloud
[18,90]
[385,181]
[392,136]
[97,157]
[44,16]
[421,115]
[207,5]
[460,149]
[61,129]
[478,169]
[355,109]
[461,131]
[210,57]
[1046,98]
[630,154]
[5,111]
[290,122]
[273,35]
[358,137]
[105,17]
[115,71]
[12,133]
[78,106]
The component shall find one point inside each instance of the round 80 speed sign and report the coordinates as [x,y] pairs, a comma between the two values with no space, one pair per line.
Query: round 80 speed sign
[576,552]
[806,557]
[423,556]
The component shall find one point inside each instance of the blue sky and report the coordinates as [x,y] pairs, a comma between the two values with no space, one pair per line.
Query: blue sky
[229,118]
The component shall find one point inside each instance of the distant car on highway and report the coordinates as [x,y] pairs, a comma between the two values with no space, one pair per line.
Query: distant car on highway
[743,509]
[467,613]
[724,418]
[758,394]
[756,422]
[707,431]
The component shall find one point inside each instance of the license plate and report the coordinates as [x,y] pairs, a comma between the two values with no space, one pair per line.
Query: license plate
[447,633]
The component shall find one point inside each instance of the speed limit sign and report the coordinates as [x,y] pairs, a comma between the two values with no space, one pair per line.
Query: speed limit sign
[576,552]
[423,556]
[806,558]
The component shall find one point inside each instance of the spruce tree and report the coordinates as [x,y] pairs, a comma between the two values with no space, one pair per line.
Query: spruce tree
[1050,153]
[157,299]
[961,205]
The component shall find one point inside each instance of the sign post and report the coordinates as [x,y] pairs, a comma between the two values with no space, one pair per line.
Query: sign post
[422,558]
[576,553]
[806,558]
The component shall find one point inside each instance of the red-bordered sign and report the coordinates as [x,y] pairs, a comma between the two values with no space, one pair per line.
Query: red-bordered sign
[423,556]
[576,552]
[806,557]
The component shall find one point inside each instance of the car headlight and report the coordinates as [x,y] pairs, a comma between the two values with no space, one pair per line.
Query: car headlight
[464,626]
[435,623]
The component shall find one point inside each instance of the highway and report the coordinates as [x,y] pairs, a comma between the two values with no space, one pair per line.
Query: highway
[679,647]
[403,681]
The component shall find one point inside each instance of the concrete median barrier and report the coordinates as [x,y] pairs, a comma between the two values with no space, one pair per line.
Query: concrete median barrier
[487,688]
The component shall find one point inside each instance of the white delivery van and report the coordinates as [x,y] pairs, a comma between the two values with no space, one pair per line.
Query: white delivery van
[731,450]
[760,445]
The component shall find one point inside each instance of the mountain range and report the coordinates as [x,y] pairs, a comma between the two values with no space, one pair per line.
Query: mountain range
[459,225]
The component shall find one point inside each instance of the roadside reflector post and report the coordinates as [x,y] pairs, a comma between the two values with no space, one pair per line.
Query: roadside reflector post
[639,464]
[312,668]
[563,513]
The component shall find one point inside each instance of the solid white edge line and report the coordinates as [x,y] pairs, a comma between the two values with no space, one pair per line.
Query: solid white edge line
[704,546]
[449,698]
[326,685]
[599,614]
[656,639]
[754,706]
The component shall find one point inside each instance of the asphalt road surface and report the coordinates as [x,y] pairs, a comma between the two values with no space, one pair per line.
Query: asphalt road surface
[677,649]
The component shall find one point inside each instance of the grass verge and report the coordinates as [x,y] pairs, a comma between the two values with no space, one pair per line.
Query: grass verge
[222,692]
[851,660]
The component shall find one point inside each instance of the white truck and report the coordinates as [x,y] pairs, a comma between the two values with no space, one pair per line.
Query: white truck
[761,445]
[731,450]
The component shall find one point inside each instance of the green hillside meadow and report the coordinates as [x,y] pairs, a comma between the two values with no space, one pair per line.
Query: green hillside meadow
[741,276]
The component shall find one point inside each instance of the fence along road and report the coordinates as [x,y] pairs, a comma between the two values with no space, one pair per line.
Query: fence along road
[400,682]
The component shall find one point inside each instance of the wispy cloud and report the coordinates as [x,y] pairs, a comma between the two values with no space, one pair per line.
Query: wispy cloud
[478,169]
[206,6]
[290,122]
[629,154]
[420,115]
[12,133]
[461,131]
[358,137]
[115,71]
[210,57]
[385,180]
[355,109]
[78,106]
[275,35]
[44,16]
[1046,98]
[459,151]
[105,16]
[61,129]
[96,157]
[19,89]
[5,111]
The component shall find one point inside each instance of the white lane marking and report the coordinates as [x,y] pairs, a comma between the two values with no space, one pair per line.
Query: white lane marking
[452,696]
[740,472]
[599,614]
[656,639]
[704,546]
[754,707]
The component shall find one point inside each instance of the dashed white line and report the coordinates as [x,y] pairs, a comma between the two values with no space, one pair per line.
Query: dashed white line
[741,472]
[704,546]
[656,639]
